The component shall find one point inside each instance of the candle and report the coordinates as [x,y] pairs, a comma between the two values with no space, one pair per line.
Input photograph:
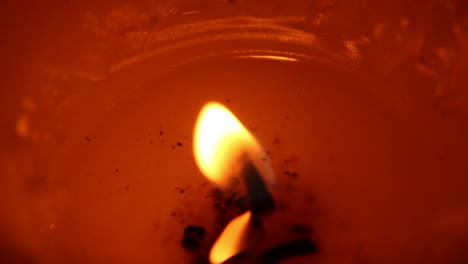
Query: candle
[364,123]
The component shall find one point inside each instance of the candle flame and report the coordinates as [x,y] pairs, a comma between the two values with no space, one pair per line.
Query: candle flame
[222,145]
[230,242]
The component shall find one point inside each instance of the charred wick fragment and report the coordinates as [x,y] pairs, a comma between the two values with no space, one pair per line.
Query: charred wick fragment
[260,200]
[193,238]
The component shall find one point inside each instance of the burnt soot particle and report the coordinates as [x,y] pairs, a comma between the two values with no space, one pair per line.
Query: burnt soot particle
[179,144]
[88,138]
[193,237]
[294,175]
[180,190]
[116,170]
[287,250]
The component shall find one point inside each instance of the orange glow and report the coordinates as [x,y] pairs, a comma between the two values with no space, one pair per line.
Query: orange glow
[222,145]
[231,240]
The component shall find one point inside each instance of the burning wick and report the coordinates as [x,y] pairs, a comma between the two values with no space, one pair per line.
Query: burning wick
[225,149]
[260,200]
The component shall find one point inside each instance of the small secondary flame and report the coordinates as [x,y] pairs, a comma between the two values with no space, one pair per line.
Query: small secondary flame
[222,145]
[231,240]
